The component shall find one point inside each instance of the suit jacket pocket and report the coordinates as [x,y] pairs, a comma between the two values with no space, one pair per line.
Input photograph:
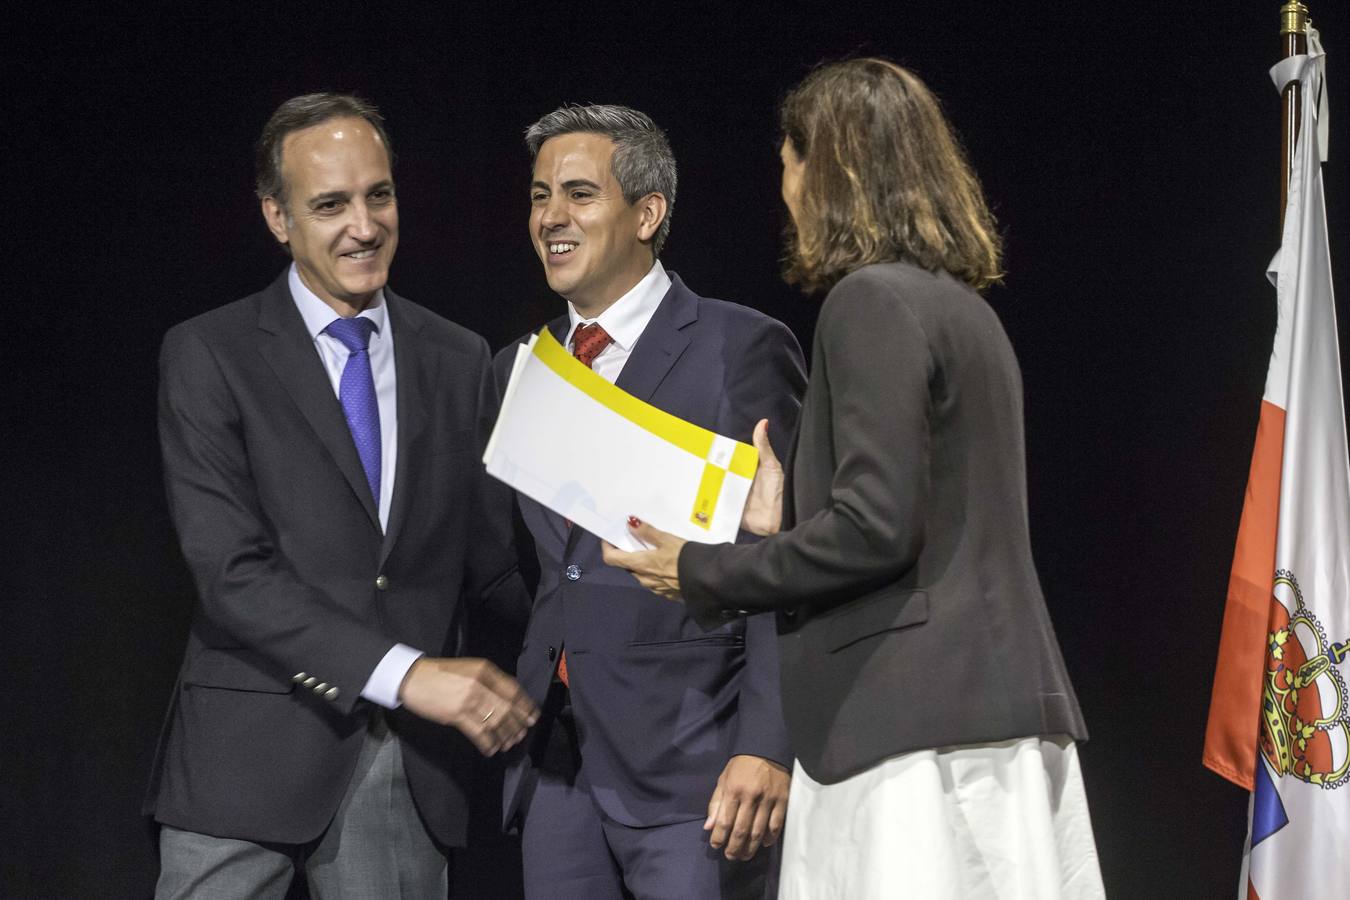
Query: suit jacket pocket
[711,640]
[890,610]
[667,626]
[236,669]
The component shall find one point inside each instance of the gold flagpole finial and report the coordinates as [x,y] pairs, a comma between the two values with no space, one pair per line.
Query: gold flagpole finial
[1293,18]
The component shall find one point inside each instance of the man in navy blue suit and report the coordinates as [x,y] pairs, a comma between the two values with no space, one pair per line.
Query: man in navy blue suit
[660,764]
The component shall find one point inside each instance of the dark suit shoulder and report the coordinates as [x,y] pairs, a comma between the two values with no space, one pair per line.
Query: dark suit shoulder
[434,327]
[229,319]
[934,301]
[739,328]
[505,357]
[735,315]
[917,288]
[508,352]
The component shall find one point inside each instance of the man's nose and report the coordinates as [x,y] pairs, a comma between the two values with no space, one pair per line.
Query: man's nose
[554,214]
[362,225]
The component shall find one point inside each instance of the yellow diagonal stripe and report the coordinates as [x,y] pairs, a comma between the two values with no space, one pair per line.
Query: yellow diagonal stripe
[685,435]
[705,501]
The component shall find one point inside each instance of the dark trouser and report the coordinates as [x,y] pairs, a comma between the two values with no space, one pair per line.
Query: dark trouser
[572,851]
[375,847]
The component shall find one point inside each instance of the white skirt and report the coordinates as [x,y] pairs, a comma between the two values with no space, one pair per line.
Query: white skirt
[1006,820]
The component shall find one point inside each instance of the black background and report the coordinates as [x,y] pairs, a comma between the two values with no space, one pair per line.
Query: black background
[1131,157]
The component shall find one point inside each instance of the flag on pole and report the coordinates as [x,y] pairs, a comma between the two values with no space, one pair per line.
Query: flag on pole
[1279,719]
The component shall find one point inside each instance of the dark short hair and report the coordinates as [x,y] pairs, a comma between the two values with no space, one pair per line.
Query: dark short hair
[297,114]
[885,179]
[642,163]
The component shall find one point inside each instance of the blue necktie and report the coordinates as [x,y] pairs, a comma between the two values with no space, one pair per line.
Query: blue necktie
[356,390]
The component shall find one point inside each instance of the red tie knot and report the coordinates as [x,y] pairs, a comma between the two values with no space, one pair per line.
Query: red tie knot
[588,341]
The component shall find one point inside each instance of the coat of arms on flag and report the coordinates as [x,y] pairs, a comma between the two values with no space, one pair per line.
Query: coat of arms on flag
[1305,726]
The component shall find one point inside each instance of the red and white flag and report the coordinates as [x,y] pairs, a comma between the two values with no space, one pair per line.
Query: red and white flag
[1279,718]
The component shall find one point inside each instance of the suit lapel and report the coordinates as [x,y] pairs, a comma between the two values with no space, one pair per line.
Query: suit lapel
[559,327]
[289,350]
[412,370]
[661,344]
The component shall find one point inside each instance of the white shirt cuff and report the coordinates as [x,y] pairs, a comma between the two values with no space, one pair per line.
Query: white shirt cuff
[383,684]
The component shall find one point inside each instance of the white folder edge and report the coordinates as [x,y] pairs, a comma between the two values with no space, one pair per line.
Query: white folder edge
[522,354]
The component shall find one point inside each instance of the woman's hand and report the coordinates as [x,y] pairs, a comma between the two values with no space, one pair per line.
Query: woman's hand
[657,569]
[764,508]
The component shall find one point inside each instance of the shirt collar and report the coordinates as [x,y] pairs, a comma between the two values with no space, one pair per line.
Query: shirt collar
[627,317]
[319,315]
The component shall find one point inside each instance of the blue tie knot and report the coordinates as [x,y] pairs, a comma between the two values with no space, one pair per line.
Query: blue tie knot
[354,333]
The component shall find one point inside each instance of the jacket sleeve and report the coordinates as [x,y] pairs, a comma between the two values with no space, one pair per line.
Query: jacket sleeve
[247,587]
[875,366]
[767,383]
[492,573]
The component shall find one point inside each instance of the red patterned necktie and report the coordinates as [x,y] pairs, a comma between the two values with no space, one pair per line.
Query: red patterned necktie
[588,342]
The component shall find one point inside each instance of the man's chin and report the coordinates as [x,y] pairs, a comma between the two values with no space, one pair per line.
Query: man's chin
[365,287]
[558,284]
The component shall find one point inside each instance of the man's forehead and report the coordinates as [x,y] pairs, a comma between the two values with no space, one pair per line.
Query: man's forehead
[329,146]
[332,132]
[579,154]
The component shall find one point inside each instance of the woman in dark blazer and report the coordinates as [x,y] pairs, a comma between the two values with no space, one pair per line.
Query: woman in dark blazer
[925,695]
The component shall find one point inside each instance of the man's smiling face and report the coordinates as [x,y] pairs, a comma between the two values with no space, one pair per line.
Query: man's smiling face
[340,218]
[593,244]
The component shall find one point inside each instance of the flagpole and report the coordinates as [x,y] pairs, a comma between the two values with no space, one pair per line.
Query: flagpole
[1294,38]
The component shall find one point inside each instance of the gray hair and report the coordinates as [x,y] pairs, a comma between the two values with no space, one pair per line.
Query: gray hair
[642,162]
[297,114]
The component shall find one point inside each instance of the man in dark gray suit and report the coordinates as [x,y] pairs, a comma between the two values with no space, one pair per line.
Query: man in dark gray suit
[654,733]
[320,443]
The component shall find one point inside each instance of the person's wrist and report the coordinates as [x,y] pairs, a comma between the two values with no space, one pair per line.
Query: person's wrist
[776,518]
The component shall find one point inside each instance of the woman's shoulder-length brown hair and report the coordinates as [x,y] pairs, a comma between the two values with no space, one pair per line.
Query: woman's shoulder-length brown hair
[885,180]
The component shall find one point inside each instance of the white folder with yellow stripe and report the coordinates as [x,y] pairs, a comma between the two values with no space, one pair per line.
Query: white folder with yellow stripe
[596,455]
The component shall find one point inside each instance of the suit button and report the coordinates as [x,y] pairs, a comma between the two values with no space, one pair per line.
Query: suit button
[320,687]
[728,614]
[552,653]
[789,613]
[310,681]
[299,677]
[573,572]
[381,582]
[331,694]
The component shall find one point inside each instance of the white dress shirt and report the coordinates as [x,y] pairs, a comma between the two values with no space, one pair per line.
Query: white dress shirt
[384,682]
[624,320]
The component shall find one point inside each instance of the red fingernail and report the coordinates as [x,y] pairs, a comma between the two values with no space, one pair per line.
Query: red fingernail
[634,521]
